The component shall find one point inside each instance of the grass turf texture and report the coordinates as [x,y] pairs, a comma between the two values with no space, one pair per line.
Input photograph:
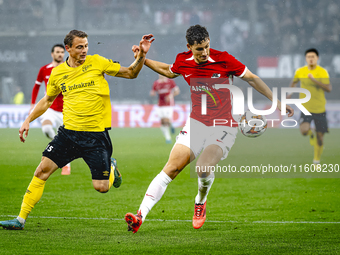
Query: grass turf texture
[244,216]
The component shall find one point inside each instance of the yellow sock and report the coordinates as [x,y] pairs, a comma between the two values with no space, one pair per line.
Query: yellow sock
[312,137]
[112,177]
[317,151]
[32,196]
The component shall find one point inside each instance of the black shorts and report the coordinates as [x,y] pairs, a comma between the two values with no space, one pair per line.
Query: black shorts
[94,147]
[320,121]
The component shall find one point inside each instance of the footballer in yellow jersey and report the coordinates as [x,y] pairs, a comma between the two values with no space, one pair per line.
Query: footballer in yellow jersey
[87,115]
[315,79]
[317,102]
[86,93]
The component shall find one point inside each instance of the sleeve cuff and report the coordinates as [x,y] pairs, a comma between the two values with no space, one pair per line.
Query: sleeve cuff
[172,71]
[244,72]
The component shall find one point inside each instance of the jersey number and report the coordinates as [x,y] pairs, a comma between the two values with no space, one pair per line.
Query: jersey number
[49,148]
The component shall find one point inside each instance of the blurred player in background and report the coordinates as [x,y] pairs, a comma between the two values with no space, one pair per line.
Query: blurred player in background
[214,142]
[53,117]
[19,97]
[86,118]
[315,79]
[166,90]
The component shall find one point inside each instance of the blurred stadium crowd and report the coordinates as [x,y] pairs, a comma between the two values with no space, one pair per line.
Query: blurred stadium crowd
[292,24]
[248,29]
[284,26]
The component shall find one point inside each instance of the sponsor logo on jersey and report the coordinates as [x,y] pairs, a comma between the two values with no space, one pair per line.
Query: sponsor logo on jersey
[85,68]
[211,95]
[81,85]
[65,77]
[204,87]
[63,87]
[216,75]
[198,88]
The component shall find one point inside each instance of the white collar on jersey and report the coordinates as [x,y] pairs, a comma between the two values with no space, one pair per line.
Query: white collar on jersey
[209,59]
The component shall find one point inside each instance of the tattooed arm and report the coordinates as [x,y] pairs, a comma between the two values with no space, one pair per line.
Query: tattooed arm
[133,70]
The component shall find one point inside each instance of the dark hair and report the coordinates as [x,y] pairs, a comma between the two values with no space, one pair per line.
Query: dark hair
[71,35]
[196,34]
[57,45]
[312,50]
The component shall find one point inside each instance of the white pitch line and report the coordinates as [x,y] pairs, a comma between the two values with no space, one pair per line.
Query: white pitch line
[211,221]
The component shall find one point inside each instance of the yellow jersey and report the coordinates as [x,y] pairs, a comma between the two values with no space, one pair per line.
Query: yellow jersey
[317,103]
[19,98]
[86,93]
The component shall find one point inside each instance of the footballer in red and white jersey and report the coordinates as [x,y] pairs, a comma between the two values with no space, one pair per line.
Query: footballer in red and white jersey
[164,87]
[43,76]
[221,66]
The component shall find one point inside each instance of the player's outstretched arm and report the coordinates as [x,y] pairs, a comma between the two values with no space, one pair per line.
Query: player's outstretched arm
[40,108]
[158,67]
[258,84]
[161,68]
[133,70]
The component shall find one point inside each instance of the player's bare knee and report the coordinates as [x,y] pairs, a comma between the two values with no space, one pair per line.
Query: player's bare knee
[172,169]
[304,132]
[102,190]
[42,172]
[204,170]
[102,187]
[304,128]
[38,171]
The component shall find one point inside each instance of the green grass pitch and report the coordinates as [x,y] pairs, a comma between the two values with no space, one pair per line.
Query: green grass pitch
[244,215]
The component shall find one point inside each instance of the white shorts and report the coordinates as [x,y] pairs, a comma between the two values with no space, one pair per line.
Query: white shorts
[202,136]
[165,112]
[55,117]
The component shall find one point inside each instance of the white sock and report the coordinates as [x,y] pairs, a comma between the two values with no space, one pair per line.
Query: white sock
[166,132]
[21,220]
[48,131]
[154,193]
[204,185]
